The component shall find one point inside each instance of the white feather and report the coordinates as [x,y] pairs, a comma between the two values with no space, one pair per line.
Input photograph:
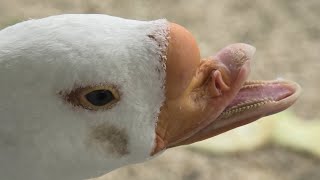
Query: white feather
[43,137]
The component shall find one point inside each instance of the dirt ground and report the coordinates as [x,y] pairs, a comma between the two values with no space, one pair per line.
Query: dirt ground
[286,34]
[268,163]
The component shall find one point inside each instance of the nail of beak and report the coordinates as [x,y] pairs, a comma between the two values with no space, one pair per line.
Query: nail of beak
[234,56]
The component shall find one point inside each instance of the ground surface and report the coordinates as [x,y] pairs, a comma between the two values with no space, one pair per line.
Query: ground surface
[287,36]
[268,163]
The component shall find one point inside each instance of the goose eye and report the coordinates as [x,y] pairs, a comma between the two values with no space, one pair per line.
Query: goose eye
[100,97]
[93,97]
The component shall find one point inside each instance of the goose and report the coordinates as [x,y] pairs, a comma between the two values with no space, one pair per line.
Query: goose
[82,95]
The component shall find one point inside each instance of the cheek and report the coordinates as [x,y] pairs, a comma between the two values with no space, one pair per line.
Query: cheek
[109,139]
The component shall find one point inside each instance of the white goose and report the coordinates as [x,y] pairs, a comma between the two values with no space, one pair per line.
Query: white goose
[82,95]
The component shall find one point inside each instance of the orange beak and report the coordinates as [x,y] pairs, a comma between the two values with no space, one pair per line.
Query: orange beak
[210,96]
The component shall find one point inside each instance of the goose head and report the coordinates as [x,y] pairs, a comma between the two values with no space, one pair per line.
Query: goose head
[82,95]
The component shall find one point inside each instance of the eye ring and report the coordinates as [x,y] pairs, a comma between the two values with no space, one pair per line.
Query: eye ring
[100,97]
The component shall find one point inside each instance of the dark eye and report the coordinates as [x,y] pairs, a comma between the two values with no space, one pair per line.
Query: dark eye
[100,97]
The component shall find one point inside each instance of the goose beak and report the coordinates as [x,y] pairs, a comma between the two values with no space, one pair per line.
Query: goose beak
[206,97]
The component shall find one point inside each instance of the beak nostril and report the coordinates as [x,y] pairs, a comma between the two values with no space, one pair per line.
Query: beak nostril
[217,85]
[219,81]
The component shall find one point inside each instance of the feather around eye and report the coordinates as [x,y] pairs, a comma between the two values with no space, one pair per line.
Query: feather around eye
[100,97]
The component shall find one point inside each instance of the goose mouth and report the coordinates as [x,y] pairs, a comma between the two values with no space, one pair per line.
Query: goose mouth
[257,94]
[254,100]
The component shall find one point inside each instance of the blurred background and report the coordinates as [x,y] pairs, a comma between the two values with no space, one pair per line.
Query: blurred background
[286,34]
